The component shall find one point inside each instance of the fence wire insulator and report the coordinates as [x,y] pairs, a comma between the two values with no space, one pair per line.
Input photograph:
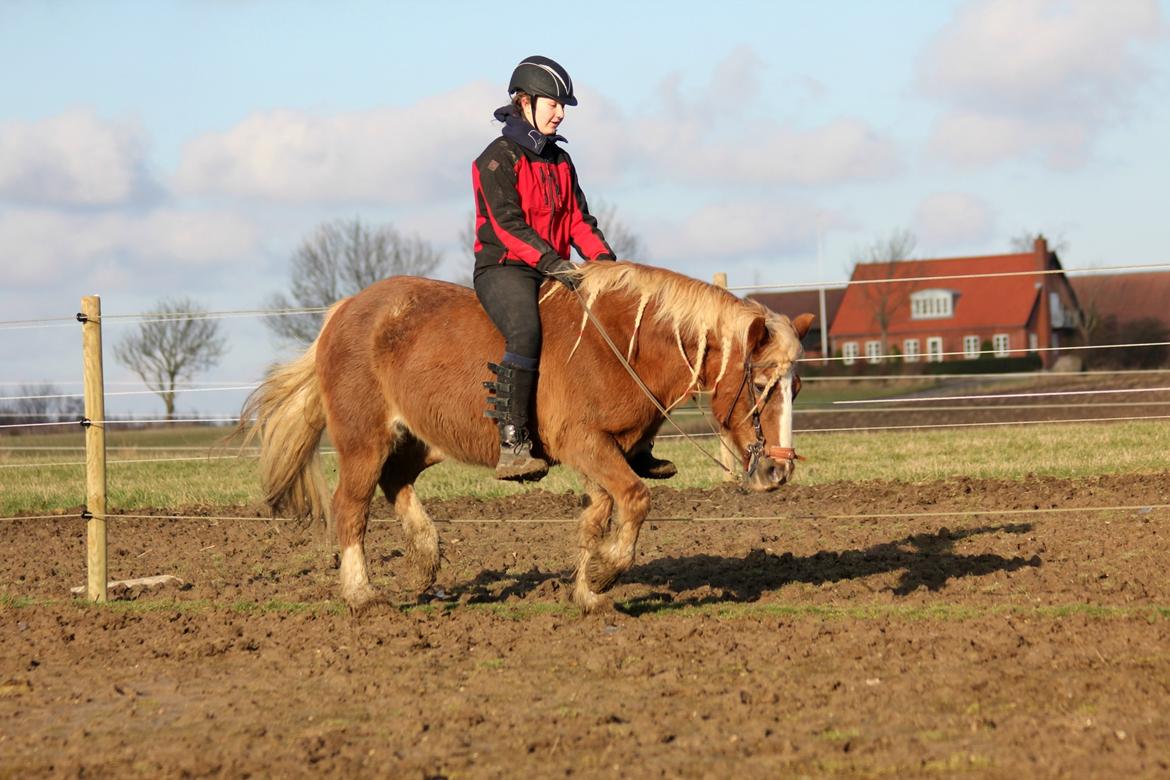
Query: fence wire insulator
[86,514]
[85,422]
[82,318]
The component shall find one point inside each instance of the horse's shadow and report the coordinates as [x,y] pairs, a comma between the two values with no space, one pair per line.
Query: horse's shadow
[926,560]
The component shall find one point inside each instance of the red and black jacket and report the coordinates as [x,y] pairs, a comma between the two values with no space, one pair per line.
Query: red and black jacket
[529,207]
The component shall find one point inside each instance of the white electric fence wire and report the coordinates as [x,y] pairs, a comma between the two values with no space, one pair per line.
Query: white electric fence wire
[846,282]
[997,353]
[1049,394]
[176,391]
[920,426]
[988,376]
[206,315]
[1144,510]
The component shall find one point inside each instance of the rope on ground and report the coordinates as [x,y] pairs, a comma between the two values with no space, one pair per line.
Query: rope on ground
[1141,509]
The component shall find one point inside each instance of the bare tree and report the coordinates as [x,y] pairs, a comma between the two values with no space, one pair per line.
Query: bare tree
[339,259]
[884,258]
[174,342]
[621,237]
[1024,241]
[38,403]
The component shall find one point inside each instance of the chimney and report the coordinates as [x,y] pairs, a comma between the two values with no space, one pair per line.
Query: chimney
[1040,249]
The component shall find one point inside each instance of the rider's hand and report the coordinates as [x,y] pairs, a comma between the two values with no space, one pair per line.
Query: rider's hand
[564,272]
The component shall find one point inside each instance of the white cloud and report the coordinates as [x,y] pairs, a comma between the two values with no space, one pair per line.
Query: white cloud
[42,247]
[406,155]
[385,155]
[730,231]
[973,138]
[1036,76]
[73,159]
[953,219]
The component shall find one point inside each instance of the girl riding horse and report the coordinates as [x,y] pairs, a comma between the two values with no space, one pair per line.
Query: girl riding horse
[529,209]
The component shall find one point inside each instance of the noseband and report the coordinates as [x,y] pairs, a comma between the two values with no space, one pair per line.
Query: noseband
[759,446]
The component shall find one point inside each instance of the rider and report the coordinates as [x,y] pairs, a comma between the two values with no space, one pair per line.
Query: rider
[529,209]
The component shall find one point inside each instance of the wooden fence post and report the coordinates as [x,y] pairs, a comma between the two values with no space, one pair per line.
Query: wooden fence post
[726,452]
[95,448]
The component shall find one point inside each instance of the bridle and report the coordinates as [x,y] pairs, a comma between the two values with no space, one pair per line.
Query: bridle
[759,447]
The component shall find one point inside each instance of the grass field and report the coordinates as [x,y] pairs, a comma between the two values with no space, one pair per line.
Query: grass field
[191,466]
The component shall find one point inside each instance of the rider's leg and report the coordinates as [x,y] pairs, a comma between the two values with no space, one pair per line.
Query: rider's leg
[509,295]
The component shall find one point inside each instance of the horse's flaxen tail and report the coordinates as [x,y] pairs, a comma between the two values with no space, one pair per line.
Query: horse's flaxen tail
[288,415]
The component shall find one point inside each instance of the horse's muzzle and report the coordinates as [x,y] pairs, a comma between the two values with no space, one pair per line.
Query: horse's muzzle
[770,474]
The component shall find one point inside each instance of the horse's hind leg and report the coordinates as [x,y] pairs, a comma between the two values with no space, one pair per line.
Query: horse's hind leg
[591,529]
[422,539]
[361,451]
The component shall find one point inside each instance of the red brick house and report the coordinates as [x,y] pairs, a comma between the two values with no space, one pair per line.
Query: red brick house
[798,302]
[929,317]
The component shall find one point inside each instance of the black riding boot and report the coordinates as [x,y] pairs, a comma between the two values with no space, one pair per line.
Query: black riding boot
[511,398]
[646,466]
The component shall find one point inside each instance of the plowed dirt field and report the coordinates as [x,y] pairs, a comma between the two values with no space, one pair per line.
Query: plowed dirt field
[757,636]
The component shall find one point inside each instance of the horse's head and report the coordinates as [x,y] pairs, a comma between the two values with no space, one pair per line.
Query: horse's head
[753,403]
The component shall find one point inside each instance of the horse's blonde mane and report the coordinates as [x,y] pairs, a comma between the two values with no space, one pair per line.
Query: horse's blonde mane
[691,306]
[694,310]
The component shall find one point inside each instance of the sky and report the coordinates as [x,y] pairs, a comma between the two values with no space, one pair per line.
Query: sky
[157,149]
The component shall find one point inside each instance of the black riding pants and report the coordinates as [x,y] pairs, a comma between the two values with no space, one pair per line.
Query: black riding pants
[510,294]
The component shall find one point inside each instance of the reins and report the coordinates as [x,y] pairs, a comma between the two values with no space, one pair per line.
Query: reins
[646,390]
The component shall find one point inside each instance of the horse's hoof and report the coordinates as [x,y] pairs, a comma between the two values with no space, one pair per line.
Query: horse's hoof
[360,599]
[591,603]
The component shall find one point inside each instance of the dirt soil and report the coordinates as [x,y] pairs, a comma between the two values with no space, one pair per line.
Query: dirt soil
[759,636]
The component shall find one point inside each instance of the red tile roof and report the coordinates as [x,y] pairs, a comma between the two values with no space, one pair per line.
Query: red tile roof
[998,301]
[1125,296]
[797,302]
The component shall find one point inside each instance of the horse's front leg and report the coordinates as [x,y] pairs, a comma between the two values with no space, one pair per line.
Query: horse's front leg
[591,529]
[605,556]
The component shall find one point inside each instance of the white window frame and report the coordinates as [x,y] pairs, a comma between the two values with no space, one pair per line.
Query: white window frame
[849,353]
[1001,343]
[873,351]
[970,347]
[933,304]
[934,349]
[910,351]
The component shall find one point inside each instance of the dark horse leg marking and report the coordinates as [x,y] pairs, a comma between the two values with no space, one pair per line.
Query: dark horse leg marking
[401,469]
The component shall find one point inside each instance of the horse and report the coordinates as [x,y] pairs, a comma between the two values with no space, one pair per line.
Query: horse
[397,375]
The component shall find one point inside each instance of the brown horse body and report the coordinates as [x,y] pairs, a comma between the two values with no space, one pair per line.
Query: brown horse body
[397,375]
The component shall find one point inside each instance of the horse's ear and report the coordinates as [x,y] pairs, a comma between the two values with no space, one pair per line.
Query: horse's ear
[802,323]
[756,333]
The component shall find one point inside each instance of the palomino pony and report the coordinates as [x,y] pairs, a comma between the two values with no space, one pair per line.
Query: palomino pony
[397,374]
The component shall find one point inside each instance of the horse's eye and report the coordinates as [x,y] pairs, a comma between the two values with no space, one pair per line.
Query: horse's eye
[760,386]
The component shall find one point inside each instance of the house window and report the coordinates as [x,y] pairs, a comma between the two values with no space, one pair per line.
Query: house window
[1033,342]
[910,350]
[932,304]
[1001,345]
[849,353]
[934,349]
[970,347]
[873,351]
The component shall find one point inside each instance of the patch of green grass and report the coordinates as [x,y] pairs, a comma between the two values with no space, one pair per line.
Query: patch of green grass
[1008,452]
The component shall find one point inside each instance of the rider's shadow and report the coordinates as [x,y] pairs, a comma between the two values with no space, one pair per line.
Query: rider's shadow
[926,560]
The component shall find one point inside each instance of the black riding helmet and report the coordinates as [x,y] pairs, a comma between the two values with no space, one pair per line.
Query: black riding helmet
[540,76]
